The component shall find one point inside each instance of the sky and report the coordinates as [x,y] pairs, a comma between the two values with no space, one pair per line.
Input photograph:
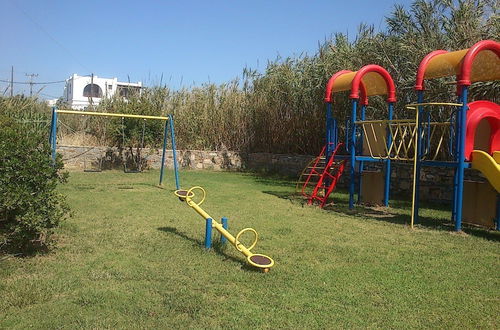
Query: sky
[185,42]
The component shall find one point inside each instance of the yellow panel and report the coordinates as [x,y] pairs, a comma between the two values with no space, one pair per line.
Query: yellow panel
[343,83]
[445,65]
[478,206]
[486,66]
[374,83]
[372,188]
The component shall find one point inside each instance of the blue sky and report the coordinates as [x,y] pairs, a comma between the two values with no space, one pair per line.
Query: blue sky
[186,41]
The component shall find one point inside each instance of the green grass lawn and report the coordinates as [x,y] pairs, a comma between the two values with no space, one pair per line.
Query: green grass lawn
[132,256]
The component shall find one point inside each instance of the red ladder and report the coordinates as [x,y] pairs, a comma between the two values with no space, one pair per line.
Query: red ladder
[328,173]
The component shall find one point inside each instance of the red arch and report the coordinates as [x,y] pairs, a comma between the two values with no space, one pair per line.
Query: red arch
[471,55]
[331,81]
[356,82]
[479,110]
[419,84]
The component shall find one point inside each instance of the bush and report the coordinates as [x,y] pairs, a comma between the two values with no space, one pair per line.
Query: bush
[30,207]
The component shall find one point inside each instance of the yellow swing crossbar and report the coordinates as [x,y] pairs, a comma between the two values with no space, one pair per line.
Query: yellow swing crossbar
[108,114]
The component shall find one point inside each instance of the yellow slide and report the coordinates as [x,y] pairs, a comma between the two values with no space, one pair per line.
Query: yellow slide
[489,166]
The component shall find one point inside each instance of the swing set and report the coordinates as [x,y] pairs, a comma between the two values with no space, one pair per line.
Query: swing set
[168,130]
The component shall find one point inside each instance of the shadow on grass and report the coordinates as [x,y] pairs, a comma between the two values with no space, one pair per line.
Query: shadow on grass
[270,179]
[393,214]
[8,251]
[216,246]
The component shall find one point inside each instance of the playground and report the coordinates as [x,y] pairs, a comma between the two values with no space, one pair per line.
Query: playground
[334,247]
[134,254]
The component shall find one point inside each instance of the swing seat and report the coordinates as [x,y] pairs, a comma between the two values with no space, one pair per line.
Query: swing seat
[126,170]
[182,194]
[135,160]
[97,169]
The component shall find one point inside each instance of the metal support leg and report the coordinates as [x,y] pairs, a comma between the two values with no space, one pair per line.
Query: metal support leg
[164,151]
[208,233]
[223,239]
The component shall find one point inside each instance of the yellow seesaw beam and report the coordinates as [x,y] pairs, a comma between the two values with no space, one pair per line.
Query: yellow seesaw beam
[257,260]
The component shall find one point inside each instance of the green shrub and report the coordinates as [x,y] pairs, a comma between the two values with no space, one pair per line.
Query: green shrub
[30,207]
[32,113]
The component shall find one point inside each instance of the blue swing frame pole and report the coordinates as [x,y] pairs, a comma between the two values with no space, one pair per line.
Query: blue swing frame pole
[352,149]
[174,151]
[387,183]
[164,151]
[462,117]
[53,134]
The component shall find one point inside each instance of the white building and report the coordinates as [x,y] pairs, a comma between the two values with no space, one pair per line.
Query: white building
[82,91]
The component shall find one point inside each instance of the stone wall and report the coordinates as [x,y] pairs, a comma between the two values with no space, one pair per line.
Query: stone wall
[436,183]
[283,164]
[80,158]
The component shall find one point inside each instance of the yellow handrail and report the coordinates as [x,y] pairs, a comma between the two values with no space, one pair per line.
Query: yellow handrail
[403,133]
[434,126]
[413,105]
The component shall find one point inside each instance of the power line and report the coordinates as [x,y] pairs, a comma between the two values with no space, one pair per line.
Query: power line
[12,81]
[49,35]
[31,75]
[34,83]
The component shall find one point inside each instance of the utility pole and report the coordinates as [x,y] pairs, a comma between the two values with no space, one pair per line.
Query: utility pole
[92,91]
[12,81]
[32,75]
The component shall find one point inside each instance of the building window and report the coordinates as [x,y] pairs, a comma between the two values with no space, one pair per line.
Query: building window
[92,90]
[128,91]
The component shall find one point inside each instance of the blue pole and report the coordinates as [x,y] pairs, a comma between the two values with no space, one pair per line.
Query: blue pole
[497,227]
[53,134]
[387,186]
[416,201]
[352,148]
[51,127]
[330,135]
[335,133]
[455,158]
[461,159]
[174,151]
[223,239]
[164,151]
[361,163]
[208,233]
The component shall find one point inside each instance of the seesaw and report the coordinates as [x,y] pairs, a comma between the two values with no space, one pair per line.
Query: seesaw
[254,259]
